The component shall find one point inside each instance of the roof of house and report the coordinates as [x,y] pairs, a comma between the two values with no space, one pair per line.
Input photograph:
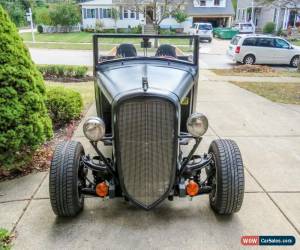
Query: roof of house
[97,2]
[210,11]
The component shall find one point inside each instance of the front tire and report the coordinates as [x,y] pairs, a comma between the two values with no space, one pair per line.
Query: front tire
[226,175]
[66,179]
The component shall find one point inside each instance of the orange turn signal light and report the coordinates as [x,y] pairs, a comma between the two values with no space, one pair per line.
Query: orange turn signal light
[102,189]
[192,188]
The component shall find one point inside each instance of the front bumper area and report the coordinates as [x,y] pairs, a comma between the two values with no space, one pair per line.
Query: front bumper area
[188,169]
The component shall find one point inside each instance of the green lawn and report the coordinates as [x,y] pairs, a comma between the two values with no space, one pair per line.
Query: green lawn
[83,41]
[288,93]
[86,90]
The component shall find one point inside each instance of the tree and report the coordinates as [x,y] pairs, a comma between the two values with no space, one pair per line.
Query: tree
[65,14]
[115,16]
[24,120]
[42,16]
[15,10]
[180,16]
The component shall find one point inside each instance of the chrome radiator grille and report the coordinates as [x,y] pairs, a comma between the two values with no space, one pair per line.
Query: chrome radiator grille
[145,148]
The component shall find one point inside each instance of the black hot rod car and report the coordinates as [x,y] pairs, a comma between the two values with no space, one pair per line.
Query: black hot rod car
[146,112]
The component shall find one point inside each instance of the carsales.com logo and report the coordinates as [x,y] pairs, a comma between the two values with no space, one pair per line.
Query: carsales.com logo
[268,240]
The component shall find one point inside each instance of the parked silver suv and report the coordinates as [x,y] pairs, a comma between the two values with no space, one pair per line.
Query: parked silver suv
[263,49]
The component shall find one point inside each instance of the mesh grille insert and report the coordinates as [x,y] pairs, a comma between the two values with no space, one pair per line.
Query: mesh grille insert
[146,147]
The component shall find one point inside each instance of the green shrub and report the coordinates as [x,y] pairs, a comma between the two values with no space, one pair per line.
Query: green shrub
[137,30]
[63,71]
[42,16]
[63,105]
[65,14]
[167,32]
[269,28]
[40,29]
[24,120]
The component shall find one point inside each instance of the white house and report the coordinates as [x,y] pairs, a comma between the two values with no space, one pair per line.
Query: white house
[218,12]
[283,17]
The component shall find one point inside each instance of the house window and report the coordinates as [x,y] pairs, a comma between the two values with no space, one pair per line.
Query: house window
[202,3]
[217,2]
[91,13]
[132,14]
[125,14]
[106,13]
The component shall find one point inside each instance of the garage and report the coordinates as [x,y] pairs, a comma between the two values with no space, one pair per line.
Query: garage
[217,16]
[215,21]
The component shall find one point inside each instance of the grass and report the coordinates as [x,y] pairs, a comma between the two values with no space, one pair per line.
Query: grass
[73,37]
[297,43]
[86,90]
[288,93]
[277,73]
[83,41]
[5,239]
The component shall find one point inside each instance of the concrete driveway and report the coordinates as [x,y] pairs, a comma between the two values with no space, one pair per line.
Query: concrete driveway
[269,137]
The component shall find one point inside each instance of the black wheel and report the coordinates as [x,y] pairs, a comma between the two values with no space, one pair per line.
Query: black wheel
[295,61]
[249,59]
[66,179]
[226,176]
[210,40]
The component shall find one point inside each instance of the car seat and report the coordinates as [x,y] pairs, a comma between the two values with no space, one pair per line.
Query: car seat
[126,50]
[166,50]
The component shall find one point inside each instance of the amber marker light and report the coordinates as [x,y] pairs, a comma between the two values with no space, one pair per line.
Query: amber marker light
[192,188]
[102,189]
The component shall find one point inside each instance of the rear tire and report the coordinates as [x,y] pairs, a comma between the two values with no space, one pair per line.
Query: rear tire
[226,177]
[66,179]
[249,60]
[295,61]
[210,40]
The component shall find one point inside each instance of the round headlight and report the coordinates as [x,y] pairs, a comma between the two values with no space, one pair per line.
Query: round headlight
[197,124]
[94,129]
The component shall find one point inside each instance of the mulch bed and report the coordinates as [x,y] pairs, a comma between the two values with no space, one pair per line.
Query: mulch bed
[41,158]
[253,69]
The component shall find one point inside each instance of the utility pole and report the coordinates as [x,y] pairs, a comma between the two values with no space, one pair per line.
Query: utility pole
[29,19]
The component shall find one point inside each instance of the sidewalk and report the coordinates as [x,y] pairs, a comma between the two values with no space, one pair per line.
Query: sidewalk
[269,137]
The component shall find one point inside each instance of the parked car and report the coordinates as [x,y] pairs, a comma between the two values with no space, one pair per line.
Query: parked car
[203,30]
[245,28]
[263,49]
[146,113]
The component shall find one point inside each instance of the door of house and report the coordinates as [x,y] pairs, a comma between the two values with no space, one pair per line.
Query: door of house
[149,15]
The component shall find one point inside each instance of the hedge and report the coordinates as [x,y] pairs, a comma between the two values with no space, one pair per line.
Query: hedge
[63,71]
[24,120]
[269,28]
[63,105]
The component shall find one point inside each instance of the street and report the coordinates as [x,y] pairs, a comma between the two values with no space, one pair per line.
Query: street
[212,56]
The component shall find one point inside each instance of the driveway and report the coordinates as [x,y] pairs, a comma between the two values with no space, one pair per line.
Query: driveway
[269,137]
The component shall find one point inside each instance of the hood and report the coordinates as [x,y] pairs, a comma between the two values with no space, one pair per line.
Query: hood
[117,78]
